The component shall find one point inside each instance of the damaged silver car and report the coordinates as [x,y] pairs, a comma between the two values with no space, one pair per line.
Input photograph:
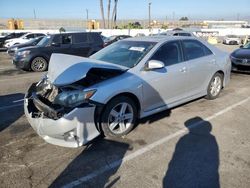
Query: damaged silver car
[80,98]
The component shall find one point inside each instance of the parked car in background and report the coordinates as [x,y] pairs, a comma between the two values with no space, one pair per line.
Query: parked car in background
[36,58]
[240,59]
[10,36]
[231,40]
[178,33]
[114,38]
[22,39]
[129,79]
[11,50]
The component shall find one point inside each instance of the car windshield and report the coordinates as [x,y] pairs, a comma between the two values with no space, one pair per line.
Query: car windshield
[109,38]
[45,41]
[125,53]
[246,46]
[232,36]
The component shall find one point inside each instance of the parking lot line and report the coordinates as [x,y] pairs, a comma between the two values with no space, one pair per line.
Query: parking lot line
[150,147]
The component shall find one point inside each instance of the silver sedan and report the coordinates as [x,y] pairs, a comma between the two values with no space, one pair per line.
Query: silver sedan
[80,98]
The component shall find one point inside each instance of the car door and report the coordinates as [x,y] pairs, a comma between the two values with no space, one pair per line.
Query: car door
[167,85]
[200,63]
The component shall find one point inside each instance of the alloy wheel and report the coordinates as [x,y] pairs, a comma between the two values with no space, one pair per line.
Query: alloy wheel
[120,118]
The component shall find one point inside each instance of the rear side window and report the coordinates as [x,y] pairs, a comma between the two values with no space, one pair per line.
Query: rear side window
[169,53]
[80,38]
[95,38]
[185,34]
[195,49]
[66,39]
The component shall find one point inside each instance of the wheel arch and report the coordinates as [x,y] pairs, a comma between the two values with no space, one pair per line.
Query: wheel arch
[39,55]
[100,109]
[223,76]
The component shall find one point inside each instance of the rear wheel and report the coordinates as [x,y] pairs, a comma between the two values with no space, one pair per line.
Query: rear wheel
[215,86]
[39,64]
[119,117]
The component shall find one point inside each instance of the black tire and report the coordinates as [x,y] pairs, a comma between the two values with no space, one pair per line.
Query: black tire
[213,94]
[39,64]
[107,117]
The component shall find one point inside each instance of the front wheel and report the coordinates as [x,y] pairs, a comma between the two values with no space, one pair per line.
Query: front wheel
[119,117]
[39,64]
[214,87]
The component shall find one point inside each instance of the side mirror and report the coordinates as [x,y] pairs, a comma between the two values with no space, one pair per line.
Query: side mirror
[55,44]
[154,64]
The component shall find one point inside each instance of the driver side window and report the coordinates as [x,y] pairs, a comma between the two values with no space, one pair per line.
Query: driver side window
[169,53]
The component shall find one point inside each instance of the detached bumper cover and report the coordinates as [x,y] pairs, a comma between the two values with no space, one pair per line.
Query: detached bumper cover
[73,129]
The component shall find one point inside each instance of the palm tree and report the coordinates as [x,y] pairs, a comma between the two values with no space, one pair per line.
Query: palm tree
[109,2]
[114,14]
[102,13]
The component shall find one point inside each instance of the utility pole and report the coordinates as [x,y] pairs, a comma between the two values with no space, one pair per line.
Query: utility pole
[34,12]
[87,18]
[149,16]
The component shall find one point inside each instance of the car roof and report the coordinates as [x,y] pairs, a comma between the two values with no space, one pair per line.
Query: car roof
[159,38]
[77,32]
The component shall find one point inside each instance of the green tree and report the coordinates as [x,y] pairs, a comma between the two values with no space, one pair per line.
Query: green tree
[184,18]
[61,29]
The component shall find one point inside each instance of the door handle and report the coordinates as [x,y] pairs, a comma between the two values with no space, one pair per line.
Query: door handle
[183,69]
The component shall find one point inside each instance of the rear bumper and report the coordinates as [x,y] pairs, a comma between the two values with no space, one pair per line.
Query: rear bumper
[71,130]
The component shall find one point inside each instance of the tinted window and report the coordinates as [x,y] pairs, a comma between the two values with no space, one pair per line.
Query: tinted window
[56,39]
[39,34]
[193,49]
[30,36]
[66,39]
[169,53]
[207,51]
[45,41]
[185,34]
[80,38]
[95,38]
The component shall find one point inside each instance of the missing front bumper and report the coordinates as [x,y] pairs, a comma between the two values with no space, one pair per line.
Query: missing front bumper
[73,129]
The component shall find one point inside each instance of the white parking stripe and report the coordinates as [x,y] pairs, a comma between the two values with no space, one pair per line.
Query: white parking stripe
[149,147]
[17,100]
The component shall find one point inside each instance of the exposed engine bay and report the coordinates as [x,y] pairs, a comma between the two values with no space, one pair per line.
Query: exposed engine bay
[47,98]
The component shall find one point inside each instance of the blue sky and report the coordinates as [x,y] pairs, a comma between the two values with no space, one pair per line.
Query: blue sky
[127,9]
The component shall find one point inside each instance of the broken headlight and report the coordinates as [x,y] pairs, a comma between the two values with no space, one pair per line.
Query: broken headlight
[73,98]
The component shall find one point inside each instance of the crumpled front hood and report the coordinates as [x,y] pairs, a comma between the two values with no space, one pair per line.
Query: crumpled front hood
[67,69]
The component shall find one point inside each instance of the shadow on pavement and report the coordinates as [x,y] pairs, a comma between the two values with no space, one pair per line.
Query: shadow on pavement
[8,114]
[94,158]
[155,117]
[195,161]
